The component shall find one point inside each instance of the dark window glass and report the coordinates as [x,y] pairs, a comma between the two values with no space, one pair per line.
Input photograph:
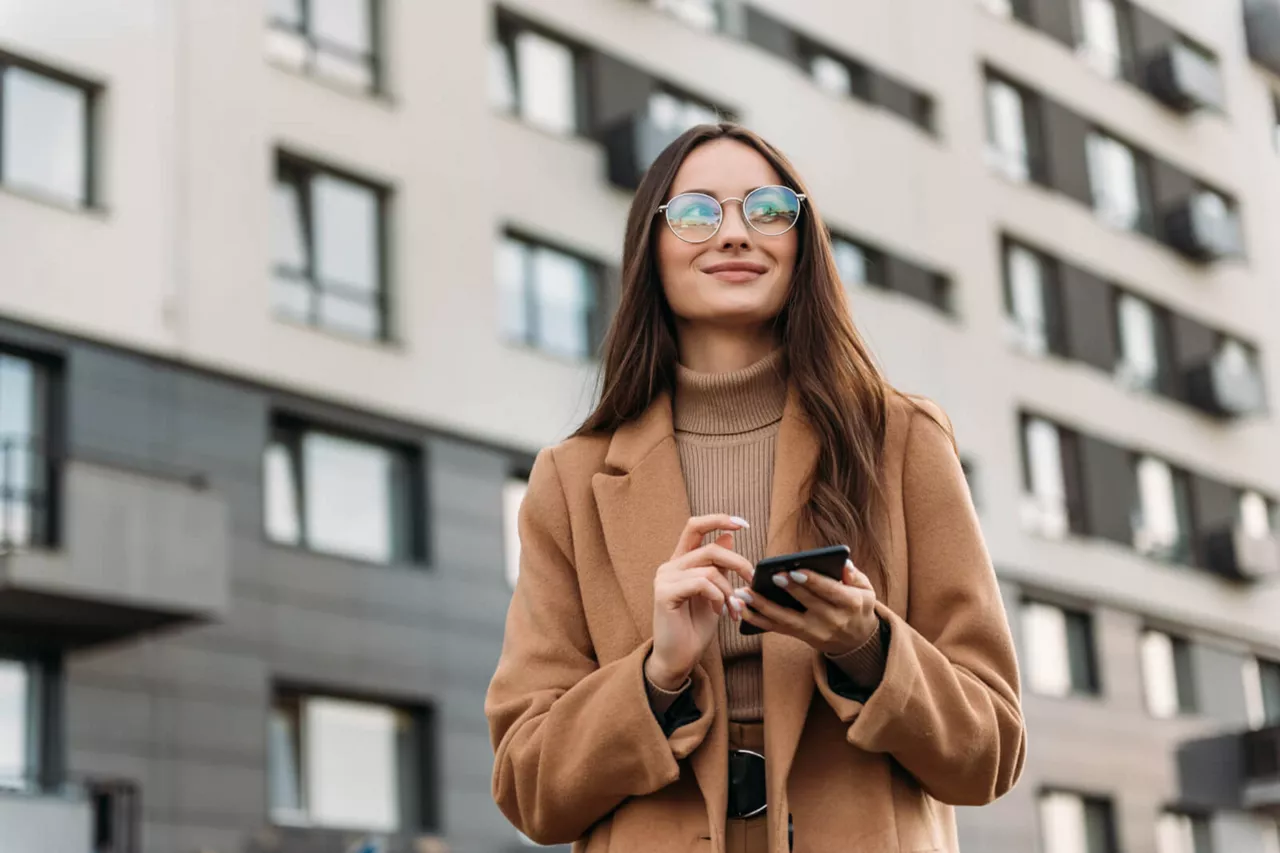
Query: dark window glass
[26,505]
[548,298]
[1269,672]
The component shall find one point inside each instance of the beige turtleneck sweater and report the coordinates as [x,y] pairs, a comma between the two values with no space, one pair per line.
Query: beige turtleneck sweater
[726,431]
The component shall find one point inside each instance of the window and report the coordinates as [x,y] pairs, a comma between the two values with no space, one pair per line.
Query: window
[547,298]
[327,246]
[673,114]
[703,14]
[1101,37]
[16,724]
[348,764]
[333,39]
[1138,365]
[1256,515]
[513,491]
[1059,648]
[1270,835]
[1003,8]
[1177,832]
[1027,298]
[1044,506]
[535,77]
[856,263]
[1162,521]
[1071,823]
[25,500]
[1008,147]
[1115,181]
[1262,692]
[340,495]
[46,133]
[1167,675]
[836,76]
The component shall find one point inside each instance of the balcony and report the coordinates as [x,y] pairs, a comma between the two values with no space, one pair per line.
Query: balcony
[1204,228]
[1232,772]
[1233,553]
[101,553]
[96,817]
[1262,32]
[1185,79]
[631,146]
[1225,389]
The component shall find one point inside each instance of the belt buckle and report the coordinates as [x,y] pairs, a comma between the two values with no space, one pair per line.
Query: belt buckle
[747,787]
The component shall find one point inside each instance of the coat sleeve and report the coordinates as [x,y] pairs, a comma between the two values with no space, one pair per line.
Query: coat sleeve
[572,738]
[948,707]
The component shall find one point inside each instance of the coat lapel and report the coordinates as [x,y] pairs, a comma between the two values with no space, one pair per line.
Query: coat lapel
[643,510]
[788,667]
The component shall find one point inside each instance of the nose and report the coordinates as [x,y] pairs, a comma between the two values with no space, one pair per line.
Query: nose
[734,231]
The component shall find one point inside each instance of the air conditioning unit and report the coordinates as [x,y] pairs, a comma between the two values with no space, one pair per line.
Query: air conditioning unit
[1204,229]
[1225,391]
[1185,79]
[1232,553]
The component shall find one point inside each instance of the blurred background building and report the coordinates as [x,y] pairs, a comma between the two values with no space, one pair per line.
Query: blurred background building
[291,291]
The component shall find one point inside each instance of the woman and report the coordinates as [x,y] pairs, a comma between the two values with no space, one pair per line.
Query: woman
[742,416]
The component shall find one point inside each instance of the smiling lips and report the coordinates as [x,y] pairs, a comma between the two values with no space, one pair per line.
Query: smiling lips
[735,271]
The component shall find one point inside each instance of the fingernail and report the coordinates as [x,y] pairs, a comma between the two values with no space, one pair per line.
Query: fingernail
[848,564]
[744,594]
[741,522]
[780,579]
[737,603]
[799,577]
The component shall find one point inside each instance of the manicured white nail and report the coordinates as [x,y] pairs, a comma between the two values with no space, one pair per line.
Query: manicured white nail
[799,577]
[741,522]
[737,603]
[848,564]
[780,579]
[744,594]
[724,610]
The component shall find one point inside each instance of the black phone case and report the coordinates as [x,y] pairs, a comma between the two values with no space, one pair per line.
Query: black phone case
[827,561]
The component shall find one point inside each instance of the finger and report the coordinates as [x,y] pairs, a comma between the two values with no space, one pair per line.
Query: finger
[715,576]
[856,578]
[827,589]
[763,622]
[718,555]
[792,620]
[819,603]
[698,526]
[694,586]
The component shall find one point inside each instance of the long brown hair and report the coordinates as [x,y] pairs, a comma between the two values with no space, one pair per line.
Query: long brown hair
[842,391]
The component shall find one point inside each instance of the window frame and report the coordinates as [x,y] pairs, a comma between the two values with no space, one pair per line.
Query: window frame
[290,431]
[1092,687]
[1145,220]
[416,815]
[1055,338]
[92,95]
[304,171]
[507,25]
[1184,674]
[1035,161]
[314,44]
[595,270]
[1183,549]
[47,440]
[1099,803]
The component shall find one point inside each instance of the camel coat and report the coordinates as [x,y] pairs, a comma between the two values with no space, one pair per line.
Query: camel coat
[580,756]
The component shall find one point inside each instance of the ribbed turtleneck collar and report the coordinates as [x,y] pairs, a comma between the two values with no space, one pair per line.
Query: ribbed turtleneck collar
[730,403]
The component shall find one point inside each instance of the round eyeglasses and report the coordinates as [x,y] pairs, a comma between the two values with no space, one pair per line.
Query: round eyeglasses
[696,217]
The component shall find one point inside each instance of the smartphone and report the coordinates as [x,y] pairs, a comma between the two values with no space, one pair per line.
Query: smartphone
[827,561]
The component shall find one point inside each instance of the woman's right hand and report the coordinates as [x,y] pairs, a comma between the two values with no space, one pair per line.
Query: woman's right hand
[691,591]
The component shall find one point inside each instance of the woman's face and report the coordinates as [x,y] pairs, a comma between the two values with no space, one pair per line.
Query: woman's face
[739,277]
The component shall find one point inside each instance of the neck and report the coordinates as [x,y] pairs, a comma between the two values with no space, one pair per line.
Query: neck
[721,350]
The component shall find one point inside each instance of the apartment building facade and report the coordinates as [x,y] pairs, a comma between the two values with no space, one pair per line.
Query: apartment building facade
[292,291]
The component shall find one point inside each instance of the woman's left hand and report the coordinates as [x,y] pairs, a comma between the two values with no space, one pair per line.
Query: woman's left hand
[839,616]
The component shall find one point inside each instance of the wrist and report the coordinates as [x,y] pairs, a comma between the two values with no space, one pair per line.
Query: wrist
[663,677]
[858,645]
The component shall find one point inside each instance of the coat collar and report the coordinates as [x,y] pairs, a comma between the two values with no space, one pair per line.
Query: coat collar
[643,507]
